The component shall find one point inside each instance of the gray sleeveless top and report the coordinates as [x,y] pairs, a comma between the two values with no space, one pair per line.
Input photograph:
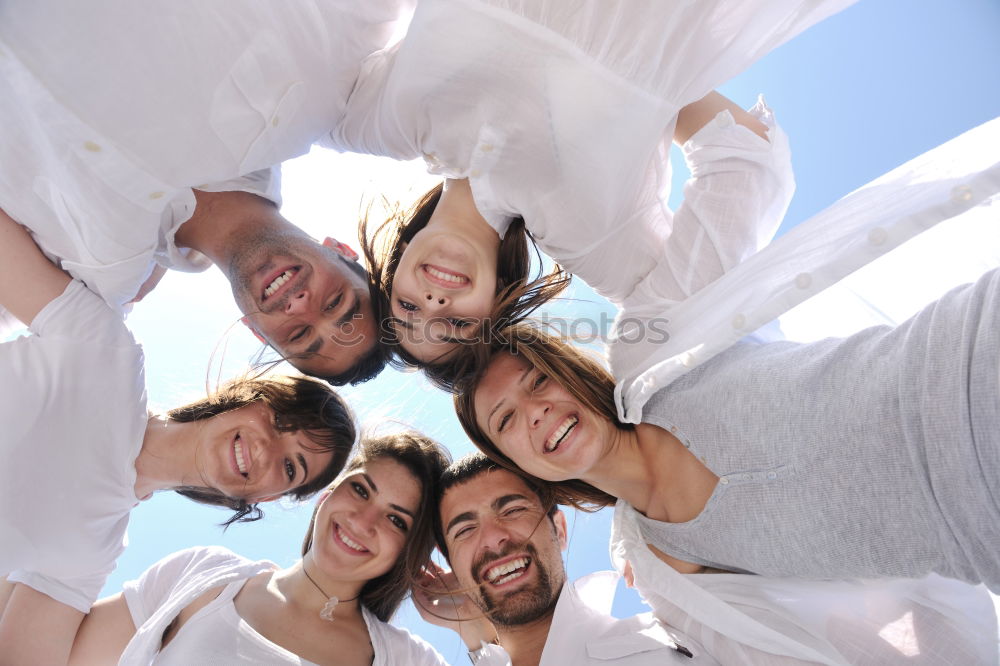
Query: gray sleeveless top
[877,455]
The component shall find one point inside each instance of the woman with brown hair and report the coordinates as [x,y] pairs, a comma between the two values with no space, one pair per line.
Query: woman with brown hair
[369,538]
[548,121]
[80,449]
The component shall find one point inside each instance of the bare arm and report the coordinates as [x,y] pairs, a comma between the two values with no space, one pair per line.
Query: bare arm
[696,115]
[105,632]
[28,280]
[36,629]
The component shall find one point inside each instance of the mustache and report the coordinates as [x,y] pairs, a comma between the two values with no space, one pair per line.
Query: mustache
[508,549]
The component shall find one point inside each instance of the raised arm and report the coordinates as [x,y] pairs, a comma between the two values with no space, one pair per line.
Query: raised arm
[28,280]
[696,115]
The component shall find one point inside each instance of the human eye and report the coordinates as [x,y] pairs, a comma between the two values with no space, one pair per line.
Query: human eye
[504,420]
[289,469]
[398,522]
[361,491]
[463,532]
[514,510]
[332,305]
[539,381]
[459,323]
[406,305]
[299,334]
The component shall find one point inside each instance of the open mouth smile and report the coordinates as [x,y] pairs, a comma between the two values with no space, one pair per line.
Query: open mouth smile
[347,541]
[444,278]
[241,464]
[507,572]
[278,281]
[560,434]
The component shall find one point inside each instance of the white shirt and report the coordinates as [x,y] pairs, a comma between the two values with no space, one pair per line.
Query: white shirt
[746,619]
[561,111]
[957,180]
[584,632]
[73,409]
[112,112]
[216,633]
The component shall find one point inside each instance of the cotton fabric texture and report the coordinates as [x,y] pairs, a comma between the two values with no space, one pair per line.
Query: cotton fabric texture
[742,619]
[583,632]
[216,634]
[106,131]
[562,111]
[872,456]
[957,183]
[73,408]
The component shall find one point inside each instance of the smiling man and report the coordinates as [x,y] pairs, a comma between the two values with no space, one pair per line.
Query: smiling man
[503,540]
[144,136]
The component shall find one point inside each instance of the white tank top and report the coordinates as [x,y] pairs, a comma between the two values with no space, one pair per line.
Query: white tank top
[217,635]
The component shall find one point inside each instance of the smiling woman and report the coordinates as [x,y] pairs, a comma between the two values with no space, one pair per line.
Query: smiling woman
[369,537]
[80,450]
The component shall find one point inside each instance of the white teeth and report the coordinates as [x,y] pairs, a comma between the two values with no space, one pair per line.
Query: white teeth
[350,542]
[457,279]
[507,571]
[278,281]
[560,433]
[240,462]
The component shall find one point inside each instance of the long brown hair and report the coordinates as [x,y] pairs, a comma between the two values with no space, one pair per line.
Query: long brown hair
[426,460]
[517,292]
[579,373]
[299,404]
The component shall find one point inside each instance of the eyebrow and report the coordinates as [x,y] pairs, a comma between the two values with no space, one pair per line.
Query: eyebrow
[497,505]
[524,374]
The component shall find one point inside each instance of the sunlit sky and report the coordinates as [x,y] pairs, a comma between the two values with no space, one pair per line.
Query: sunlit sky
[859,94]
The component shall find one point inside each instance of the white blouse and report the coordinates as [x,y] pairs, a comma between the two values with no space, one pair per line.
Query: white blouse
[560,111]
[955,183]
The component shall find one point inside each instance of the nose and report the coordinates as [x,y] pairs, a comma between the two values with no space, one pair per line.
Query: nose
[297,304]
[433,301]
[493,536]
[364,519]
[536,410]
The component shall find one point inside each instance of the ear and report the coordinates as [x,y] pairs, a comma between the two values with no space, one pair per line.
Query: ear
[559,521]
[256,333]
[343,249]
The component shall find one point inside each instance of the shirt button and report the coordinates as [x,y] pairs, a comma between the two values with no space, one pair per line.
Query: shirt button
[724,481]
[803,280]
[772,475]
[275,121]
[739,321]
[91,146]
[961,193]
[475,173]
[486,147]
[877,236]
[156,195]
[746,477]
[673,428]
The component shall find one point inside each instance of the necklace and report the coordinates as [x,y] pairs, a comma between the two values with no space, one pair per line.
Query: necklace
[331,602]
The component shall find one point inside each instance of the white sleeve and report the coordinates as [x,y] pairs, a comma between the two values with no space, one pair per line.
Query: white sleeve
[734,201]
[156,584]
[82,317]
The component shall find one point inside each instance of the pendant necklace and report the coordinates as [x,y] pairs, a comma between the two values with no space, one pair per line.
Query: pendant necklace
[331,602]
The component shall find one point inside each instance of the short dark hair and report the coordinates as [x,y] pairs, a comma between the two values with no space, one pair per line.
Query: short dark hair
[300,404]
[426,460]
[469,467]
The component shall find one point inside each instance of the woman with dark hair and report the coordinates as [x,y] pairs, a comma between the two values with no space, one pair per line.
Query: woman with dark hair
[80,449]
[548,122]
[369,538]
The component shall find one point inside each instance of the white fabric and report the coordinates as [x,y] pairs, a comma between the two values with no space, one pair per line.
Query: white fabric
[559,111]
[956,181]
[216,634]
[584,632]
[745,619]
[112,112]
[73,409]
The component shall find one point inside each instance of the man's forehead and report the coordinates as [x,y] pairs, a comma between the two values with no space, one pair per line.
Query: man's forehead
[483,490]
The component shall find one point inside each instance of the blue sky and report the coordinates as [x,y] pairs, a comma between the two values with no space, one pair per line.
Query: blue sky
[859,94]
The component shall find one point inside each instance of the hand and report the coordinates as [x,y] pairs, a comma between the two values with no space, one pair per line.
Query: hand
[440,600]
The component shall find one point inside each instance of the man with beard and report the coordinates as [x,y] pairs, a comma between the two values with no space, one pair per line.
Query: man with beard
[144,136]
[507,594]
